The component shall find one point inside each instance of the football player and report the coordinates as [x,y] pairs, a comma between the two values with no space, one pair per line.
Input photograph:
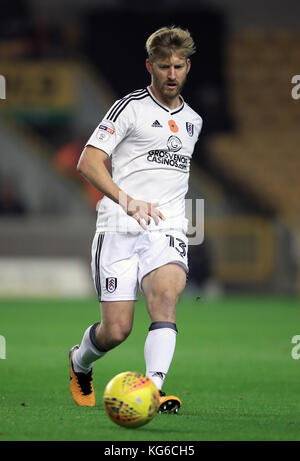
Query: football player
[140,239]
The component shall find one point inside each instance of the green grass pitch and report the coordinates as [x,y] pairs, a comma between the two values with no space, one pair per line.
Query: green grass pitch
[232,369]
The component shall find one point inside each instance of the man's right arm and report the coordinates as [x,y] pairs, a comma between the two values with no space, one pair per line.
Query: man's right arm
[92,166]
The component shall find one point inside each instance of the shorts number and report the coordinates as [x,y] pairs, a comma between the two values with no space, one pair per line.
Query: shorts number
[179,245]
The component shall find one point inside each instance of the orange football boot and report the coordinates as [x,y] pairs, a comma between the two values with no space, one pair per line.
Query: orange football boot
[81,385]
[168,403]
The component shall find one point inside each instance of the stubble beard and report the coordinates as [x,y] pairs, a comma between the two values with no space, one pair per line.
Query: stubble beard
[167,94]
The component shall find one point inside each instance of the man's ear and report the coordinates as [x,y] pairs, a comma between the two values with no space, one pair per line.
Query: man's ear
[188,61]
[149,66]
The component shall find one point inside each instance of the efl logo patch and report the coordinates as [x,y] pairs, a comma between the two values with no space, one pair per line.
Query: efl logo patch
[105,131]
[189,128]
[111,284]
[106,128]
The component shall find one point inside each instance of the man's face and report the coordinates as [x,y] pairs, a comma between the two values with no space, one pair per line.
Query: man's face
[169,74]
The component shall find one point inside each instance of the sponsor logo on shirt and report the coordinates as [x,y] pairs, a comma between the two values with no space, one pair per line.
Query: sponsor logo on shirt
[156,124]
[169,156]
[174,144]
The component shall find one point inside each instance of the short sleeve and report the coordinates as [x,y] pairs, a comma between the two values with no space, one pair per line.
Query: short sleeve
[108,134]
[199,126]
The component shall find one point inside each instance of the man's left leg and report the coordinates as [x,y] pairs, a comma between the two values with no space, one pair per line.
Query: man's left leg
[162,288]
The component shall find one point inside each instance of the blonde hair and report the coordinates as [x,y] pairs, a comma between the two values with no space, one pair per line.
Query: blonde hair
[164,41]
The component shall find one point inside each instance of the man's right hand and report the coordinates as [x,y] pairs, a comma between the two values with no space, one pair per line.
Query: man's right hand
[142,212]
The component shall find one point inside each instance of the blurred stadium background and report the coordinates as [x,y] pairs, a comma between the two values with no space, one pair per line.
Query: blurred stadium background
[64,63]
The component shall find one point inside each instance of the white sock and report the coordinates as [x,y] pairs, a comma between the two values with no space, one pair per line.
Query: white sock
[83,358]
[159,350]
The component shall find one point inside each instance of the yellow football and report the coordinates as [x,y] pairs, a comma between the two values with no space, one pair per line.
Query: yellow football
[131,399]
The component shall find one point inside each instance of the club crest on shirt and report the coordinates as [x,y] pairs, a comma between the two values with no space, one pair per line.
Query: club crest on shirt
[189,128]
[111,284]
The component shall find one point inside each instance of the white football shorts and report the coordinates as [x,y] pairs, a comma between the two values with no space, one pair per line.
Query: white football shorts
[120,261]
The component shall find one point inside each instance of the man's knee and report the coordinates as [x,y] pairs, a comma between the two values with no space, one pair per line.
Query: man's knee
[167,281]
[164,296]
[162,305]
[165,292]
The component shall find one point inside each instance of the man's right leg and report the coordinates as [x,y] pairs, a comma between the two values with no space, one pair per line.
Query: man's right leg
[99,338]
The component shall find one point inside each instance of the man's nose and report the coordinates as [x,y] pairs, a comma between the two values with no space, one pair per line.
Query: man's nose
[171,73]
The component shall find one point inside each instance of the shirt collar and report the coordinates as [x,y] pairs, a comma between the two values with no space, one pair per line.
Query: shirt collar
[171,111]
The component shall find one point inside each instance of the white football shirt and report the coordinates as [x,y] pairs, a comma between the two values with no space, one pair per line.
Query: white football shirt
[151,147]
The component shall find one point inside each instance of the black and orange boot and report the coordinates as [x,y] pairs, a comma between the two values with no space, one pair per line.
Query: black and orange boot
[168,403]
[81,385]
